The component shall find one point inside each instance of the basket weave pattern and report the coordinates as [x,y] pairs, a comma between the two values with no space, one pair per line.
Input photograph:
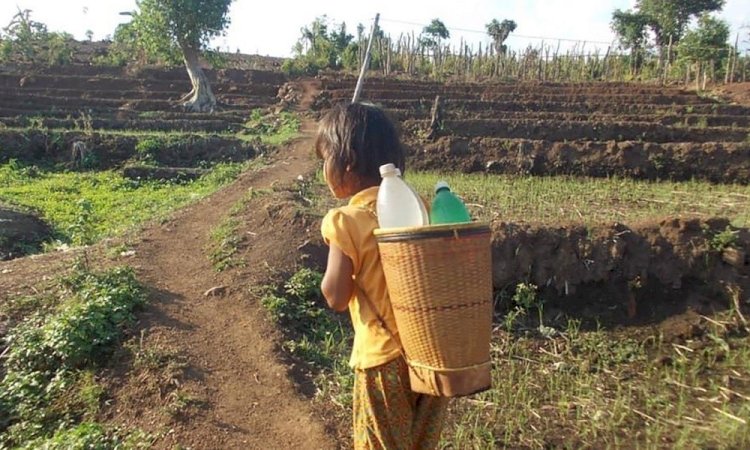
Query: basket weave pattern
[441,292]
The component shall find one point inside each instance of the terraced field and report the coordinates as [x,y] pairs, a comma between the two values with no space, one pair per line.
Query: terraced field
[621,252]
[639,131]
[96,134]
[110,111]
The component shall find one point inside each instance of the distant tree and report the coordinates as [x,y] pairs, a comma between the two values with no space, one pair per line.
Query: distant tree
[312,35]
[630,28]
[434,33]
[499,32]
[668,19]
[161,26]
[26,40]
[707,43]
[323,45]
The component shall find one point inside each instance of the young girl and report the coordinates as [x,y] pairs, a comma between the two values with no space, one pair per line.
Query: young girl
[354,140]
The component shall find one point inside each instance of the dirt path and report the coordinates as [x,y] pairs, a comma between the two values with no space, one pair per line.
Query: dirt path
[244,395]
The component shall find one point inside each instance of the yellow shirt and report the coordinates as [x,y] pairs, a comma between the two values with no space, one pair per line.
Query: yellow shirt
[350,228]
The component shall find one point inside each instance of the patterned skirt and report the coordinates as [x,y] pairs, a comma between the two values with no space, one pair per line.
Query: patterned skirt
[389,416]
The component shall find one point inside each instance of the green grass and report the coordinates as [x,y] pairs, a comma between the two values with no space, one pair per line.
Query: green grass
[224,242]
[610,389]
[271,129]
[557,200]
[226,237]
[314,335]
[49,388]
[85,207]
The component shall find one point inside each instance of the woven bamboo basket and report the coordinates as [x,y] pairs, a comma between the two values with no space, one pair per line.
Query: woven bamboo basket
[440,284]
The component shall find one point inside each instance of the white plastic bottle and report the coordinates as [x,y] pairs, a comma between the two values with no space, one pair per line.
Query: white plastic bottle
[398,205]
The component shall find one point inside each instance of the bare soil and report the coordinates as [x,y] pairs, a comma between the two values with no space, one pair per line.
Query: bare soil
[640,131]
[248,400]
[591,130]
[21,233]
[605,268]
[738,93]
[718,162]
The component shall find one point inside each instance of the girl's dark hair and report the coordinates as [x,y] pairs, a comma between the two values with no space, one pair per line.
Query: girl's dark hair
[361,137]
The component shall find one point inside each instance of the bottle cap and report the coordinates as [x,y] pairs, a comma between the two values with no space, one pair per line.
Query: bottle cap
[388,169]
[441,185]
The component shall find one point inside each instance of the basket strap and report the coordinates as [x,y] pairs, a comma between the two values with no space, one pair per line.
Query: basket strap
[361,295]
[364,299]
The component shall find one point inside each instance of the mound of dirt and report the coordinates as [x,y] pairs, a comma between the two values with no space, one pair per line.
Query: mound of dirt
[105,151]
[20,233]
[737,92]
[610,266]
[719,162]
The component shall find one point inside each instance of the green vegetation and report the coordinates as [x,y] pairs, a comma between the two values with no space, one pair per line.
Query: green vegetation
[434,34]
[315,335]
[28,41]
[224,245]
[589,200]
[725,239]
[705,45]
[49,394]
[225,238]
[89,435]
[320,48]
[703,49]
[666,20]
[271,129]
[85,207]
[610,389]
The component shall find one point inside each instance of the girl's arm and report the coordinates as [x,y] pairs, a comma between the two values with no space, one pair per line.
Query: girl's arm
[337,285]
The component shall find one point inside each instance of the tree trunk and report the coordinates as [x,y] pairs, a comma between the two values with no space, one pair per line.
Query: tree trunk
[200,98]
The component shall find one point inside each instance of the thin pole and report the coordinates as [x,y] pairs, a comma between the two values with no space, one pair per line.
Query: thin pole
[366,63]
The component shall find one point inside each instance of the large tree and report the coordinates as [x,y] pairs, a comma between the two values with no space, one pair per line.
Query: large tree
[667,20]
[630,28]
[189,25]
[499,32]
[706,43]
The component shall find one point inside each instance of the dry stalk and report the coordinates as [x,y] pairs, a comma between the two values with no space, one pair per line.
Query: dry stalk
[731,416]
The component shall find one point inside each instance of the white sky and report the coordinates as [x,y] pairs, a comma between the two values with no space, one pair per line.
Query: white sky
[272,28]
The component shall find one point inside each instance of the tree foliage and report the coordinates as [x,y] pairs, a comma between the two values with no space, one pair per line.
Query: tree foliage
[666,20]
[499,32]
[434,33]
[28,41]
[161,29]
[324,45]
[631,28]
[707,42]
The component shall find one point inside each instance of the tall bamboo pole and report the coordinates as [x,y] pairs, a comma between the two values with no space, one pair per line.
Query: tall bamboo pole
[366,63]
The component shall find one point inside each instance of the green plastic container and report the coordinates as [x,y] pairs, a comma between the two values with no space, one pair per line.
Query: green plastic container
[446,207]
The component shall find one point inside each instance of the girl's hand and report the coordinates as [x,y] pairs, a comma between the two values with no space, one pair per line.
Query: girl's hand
[337,285]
